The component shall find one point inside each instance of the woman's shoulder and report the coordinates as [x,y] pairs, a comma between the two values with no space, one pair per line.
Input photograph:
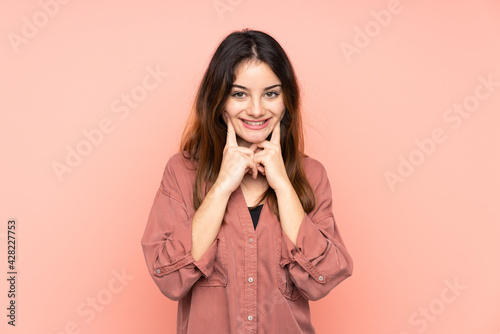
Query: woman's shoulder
[179,175]
[181,161]
[179,167]
[315,172]
[312,165]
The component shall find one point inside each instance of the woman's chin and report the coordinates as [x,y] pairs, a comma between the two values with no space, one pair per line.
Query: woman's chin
[256,140]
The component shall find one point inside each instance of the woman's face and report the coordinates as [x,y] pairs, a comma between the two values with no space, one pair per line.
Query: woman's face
[256,96]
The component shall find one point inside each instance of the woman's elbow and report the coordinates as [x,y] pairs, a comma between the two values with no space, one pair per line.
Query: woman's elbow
[173,292]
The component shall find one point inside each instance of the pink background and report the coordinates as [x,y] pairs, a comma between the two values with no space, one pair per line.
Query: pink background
[364,114]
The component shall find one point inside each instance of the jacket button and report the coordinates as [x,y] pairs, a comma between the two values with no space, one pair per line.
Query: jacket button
[250,318]
[158,271]
[321,278]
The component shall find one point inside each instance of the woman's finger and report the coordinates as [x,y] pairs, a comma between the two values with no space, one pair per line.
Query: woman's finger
[246,150]
[251,167]
[231,134]
[275,137]
[253,147]
[261,169]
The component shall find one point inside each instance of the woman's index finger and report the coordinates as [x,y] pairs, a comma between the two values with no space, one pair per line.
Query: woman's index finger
[231,134]
[275,137]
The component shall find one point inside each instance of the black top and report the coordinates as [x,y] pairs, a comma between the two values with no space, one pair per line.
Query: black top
[255,213]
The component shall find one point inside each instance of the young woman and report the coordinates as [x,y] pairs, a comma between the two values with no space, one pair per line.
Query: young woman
[241,231]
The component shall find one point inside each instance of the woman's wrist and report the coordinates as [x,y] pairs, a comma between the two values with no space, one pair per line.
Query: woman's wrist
[285,189]
[218,190]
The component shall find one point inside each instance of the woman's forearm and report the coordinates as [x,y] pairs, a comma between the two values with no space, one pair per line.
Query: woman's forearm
[291,211]
[207,220]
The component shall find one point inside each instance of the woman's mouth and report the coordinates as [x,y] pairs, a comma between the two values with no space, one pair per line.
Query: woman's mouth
[255,125]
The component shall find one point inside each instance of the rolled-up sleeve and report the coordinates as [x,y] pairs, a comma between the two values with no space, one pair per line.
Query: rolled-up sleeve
[320,261]
[167,240]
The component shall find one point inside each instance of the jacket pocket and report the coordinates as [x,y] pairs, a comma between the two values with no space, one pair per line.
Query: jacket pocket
[218,277]
[285,284]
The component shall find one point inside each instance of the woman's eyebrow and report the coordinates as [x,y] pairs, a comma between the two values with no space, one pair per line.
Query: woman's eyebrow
[243,87]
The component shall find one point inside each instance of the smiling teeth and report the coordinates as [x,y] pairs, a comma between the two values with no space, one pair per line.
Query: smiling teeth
[254,123]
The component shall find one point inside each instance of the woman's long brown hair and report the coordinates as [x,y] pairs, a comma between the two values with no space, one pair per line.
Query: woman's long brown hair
[204,136]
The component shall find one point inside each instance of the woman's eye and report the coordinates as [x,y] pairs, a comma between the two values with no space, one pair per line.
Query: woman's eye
[238,94]
[272,94]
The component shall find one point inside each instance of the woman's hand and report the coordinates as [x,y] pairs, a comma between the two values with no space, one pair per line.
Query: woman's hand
[236,162]
[270,161]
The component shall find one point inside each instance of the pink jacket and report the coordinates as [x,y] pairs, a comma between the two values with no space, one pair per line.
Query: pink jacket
[248,281]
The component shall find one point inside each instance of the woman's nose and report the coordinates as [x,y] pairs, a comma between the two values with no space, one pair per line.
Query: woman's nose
[256,109]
